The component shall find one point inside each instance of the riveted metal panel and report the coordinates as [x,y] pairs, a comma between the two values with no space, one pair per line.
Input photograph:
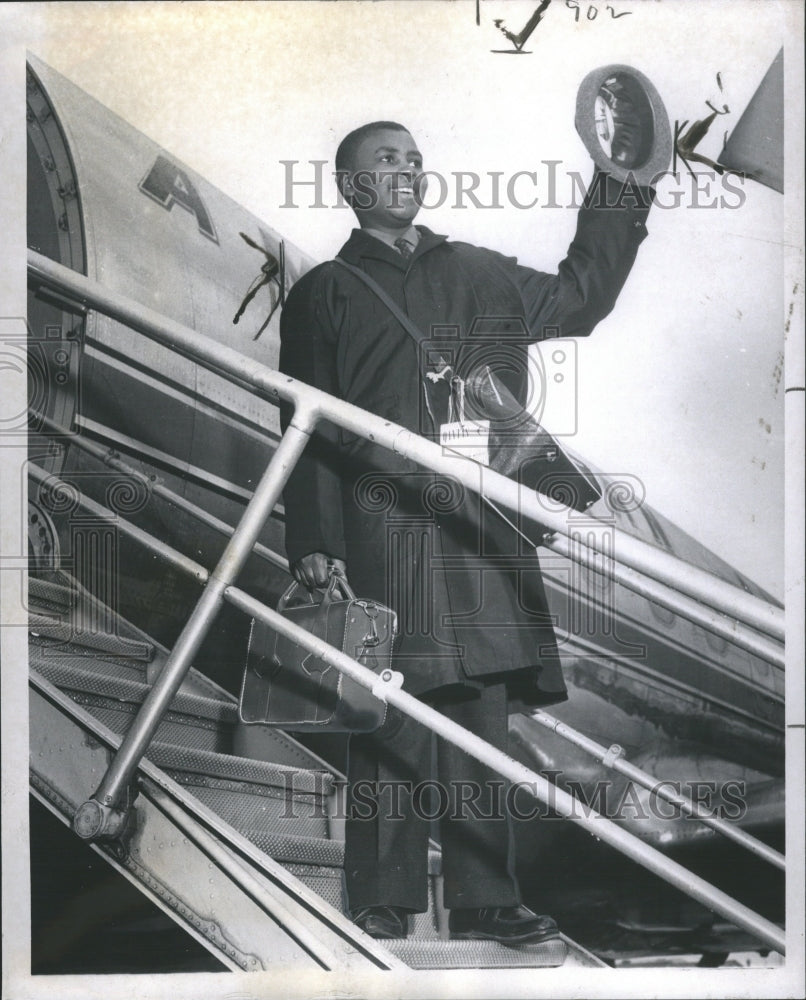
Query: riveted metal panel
[249,921]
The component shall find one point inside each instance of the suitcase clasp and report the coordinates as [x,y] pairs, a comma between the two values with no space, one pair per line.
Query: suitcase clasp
[371,611]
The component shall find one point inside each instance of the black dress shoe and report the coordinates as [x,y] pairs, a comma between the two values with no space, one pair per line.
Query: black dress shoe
[507,924]
[383,921]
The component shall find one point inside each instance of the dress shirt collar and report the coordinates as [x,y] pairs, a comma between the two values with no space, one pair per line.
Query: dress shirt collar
[362,244]
[411,236]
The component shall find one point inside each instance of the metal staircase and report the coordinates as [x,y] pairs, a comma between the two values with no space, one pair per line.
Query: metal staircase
[141,755]
[246,854]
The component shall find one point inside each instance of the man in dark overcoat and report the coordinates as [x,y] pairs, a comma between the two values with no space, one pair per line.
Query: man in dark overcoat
[475,632]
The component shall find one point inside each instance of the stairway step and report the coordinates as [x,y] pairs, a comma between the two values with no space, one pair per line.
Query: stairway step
[198,703]
[251,794]
[71,614]
[58,594]
[62,631]
[289,848]
[273,745]
[292,849]
[175,728]
[106,678]
[44,651]
[291,780]
[319,863]
[437,954]
[328,883]
[258,807]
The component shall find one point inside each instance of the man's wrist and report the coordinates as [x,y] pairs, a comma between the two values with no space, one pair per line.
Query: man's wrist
[608,192]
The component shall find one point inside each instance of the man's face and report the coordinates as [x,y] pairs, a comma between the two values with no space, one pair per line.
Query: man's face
[386,183]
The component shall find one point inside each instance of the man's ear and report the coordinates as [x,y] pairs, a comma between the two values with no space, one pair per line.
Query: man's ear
[345,185]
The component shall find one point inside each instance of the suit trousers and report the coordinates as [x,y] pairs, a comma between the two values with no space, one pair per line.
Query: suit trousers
[392,801]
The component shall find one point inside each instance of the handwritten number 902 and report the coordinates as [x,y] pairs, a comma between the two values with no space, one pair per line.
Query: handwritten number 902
[592,11]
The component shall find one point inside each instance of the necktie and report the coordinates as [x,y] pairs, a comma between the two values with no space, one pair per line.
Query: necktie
[405,248]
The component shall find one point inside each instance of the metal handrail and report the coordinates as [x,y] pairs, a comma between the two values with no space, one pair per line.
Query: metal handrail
[111,459]
[604,754]
[622,840]
[613,757]
[691,580]
[685,607]
[386,687]
[177,559]
[139,736]
[639,583]
[100,816]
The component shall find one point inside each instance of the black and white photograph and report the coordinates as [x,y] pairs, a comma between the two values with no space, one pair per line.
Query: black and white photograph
[401,499]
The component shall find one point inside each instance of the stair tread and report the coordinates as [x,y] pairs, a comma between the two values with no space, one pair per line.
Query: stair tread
[65,631]
[60,601]
[290,848]
[293,849]
[424,953]
[50,590]
[173,757]
[198,698]
[95,675]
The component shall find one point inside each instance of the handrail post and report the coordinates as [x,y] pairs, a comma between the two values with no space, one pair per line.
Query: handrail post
[101,816]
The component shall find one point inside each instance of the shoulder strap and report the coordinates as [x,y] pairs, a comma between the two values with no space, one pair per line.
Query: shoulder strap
[410,328]
[415,332]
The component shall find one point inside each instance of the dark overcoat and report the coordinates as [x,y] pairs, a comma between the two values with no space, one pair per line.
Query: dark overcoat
[468,594]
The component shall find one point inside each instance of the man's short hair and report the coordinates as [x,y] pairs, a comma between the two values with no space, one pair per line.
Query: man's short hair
[350,143]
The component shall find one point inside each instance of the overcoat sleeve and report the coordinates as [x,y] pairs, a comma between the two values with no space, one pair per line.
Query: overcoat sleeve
[313,495]
[611,225]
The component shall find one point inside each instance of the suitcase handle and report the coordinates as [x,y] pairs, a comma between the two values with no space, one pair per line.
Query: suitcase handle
[326,595]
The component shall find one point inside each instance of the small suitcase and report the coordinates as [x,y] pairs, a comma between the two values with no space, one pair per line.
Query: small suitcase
[288,687]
